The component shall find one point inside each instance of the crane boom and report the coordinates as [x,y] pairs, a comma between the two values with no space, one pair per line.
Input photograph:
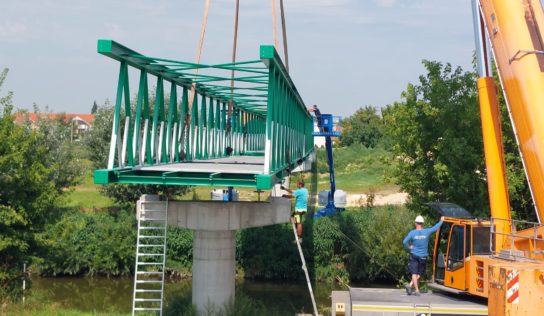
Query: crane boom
[515,29]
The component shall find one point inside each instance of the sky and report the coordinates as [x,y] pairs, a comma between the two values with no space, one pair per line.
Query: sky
[343,54]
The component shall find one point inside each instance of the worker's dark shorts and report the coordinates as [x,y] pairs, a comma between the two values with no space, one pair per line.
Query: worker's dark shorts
[417,265]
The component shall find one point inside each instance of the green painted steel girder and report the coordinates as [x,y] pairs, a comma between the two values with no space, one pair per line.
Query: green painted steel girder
[196,139]
[184,77]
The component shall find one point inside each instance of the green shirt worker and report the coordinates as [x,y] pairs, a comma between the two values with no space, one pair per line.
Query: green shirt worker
[301,204]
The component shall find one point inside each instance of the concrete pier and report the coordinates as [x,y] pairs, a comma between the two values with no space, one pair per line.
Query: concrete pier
[214,224]
[213,267]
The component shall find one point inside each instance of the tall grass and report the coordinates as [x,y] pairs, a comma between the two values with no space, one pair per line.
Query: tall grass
[36,305]
[358,169]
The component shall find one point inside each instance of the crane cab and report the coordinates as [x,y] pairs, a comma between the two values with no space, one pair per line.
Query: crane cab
[460,245]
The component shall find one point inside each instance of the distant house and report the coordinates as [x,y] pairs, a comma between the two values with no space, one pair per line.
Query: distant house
[80,123]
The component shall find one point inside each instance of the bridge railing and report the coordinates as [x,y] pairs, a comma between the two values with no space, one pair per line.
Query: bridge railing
[193,121]
[289,124]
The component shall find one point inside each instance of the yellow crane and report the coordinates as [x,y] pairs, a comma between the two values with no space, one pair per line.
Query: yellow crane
[502,259]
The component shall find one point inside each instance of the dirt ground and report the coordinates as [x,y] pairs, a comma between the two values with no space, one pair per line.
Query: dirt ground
[387,199]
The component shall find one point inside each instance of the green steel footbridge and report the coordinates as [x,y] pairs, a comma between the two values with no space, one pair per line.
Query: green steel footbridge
[239,124]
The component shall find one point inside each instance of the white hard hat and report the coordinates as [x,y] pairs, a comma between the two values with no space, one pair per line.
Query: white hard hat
[419,219]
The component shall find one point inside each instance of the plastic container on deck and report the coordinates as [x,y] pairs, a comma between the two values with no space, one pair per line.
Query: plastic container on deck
[217,195]
[323,198]
[223,195]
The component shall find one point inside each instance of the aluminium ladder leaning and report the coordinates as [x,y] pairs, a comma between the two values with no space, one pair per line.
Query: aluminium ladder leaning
[150,260]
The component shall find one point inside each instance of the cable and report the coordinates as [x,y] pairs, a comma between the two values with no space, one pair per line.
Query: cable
[200,44]
[284,35]
[234,45]
[368,254]
[275,24]
[199,52]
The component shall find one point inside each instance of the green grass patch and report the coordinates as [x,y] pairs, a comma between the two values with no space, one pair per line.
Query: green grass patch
[359,182]
[37,305]
[53,310]
[86,195]
[357,169]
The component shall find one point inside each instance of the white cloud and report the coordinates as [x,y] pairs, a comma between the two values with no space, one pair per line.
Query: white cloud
[385,3]
[12,31]
[114,31]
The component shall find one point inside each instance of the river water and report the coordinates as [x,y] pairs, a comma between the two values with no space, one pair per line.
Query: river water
[115,294]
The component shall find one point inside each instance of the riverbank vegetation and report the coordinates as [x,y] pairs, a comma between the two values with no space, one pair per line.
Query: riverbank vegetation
[179,305]
[350,246]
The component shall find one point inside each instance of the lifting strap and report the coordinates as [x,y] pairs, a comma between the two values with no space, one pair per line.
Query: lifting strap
[192,92]
[275,24]
[199,49]
[284,35]
[234,45]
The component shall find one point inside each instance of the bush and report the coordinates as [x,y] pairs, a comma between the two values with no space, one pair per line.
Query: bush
[268,253]
[89,243]
[179,251]
[360,244]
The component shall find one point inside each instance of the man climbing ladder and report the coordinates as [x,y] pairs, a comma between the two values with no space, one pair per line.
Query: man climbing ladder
[301,204]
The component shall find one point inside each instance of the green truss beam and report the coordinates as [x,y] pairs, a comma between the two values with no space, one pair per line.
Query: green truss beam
[154,142]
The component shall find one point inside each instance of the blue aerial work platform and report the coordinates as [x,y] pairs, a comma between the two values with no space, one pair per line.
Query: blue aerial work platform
[327,127]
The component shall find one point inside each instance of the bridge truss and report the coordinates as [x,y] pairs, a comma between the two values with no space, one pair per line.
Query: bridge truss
[174,140]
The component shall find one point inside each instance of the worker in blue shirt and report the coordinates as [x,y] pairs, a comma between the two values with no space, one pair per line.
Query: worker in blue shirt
[318,117]
[417,242]
[301,204]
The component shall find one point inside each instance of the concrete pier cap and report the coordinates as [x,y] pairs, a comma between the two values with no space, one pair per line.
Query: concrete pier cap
[214,224]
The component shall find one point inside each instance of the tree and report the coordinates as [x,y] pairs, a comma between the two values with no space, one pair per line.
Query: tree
[97,142]
[364,127]
[436,139]
[27,194]
[94,108]
[62,155]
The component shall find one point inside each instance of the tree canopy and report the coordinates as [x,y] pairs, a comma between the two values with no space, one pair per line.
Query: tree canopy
[364,127]
[28,192]
[436,139]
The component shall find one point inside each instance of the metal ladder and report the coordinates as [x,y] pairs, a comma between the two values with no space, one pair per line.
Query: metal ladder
[150,260]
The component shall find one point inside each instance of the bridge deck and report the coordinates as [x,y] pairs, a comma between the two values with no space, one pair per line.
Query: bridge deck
[228,165]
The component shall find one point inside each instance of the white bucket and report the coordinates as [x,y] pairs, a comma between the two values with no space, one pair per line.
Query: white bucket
[340,198]
[217,195]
